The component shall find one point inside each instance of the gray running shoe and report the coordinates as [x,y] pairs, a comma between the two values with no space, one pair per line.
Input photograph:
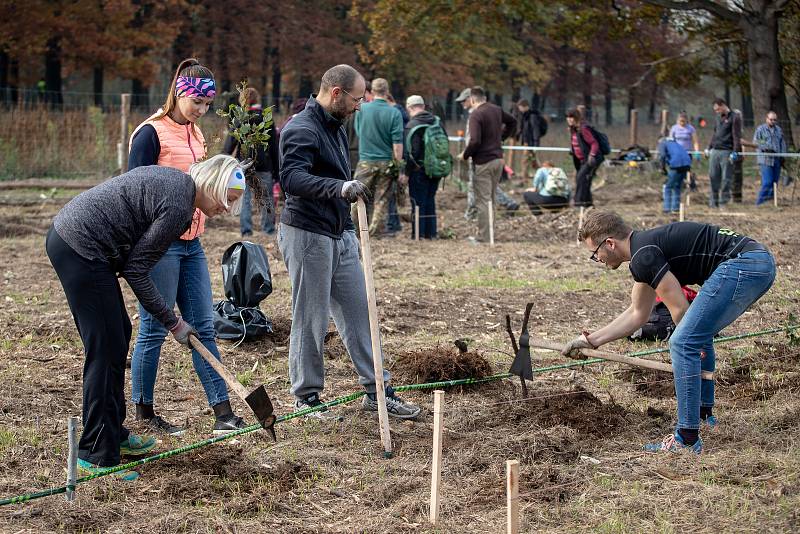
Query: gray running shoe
[395,406]
[312,401]
[159,425]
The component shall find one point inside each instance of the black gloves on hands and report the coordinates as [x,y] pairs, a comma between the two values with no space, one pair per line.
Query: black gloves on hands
[181,332]
[353,190]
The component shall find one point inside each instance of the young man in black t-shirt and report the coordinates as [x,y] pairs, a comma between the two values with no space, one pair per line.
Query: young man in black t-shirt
[734,272]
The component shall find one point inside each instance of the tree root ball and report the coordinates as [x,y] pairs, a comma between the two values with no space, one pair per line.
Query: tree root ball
[439,364]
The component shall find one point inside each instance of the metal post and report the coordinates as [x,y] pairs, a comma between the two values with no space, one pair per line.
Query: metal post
[416,222]
[72,458]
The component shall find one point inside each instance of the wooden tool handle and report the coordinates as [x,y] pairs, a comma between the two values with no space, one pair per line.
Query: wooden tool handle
[594,353]
[226,375]
[374,329]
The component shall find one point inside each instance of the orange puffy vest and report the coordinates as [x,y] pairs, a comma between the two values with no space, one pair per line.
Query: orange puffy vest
[181,146]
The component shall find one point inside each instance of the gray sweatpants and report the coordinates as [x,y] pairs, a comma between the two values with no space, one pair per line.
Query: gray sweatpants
[720,174]
[327,281]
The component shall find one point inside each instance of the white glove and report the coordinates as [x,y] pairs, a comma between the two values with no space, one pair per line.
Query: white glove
[572,349]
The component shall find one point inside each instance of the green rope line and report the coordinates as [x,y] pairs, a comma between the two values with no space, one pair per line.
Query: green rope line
[344,400]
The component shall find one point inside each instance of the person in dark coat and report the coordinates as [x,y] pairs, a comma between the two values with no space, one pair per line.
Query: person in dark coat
[421,187]
[122,228]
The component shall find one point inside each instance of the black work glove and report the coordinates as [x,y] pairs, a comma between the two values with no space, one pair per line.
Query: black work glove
[182,331]
[353,190]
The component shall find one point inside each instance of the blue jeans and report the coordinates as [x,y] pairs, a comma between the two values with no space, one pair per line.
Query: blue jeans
[769,177]
[181,276]
[423,195]
[393,217]
[267,215]
[673,188]
[733,286]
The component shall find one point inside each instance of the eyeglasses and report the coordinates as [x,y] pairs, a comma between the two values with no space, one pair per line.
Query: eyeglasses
[594,257]
[358,100]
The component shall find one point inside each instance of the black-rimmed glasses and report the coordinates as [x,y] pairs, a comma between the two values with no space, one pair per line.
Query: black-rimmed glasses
[594,257]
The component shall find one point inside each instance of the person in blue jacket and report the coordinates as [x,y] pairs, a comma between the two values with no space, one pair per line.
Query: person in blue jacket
[677,162]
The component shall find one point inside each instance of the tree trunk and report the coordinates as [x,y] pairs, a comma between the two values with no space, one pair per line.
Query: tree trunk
[140,98]
[609,103]
[97,86]
[631,103]
[747,107]
[651,109]
[587,87]
[4,89]
[726,72]
[276,79]
[305,86]
[766,73]
[52,72]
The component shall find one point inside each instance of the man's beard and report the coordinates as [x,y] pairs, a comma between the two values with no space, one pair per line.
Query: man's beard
[339,110]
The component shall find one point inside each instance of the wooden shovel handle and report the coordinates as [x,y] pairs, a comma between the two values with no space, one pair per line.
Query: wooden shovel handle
[594,353]
[226,375]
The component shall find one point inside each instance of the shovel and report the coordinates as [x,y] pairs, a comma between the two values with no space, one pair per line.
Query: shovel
[258,399]
[610,356]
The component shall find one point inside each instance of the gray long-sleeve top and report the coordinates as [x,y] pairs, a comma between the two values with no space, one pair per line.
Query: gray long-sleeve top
[129,222]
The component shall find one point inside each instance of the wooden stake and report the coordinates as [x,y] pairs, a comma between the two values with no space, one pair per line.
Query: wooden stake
[436,469]
[634,127]
[374,328]
[688,199]
[664,125]
[682,216]
[72,457]
[512,496]
[125,111]
[580,225]
[775,194]
[416,222]
[491,222]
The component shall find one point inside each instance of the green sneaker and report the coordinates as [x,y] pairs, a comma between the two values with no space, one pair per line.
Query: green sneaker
[87,468]
[137,445]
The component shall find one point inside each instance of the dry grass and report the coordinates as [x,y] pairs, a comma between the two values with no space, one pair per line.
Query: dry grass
[321,478]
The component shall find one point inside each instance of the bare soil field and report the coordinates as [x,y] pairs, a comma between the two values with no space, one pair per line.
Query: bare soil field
[577,437]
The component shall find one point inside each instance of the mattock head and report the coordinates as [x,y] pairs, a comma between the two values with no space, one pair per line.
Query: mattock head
[258,400]
[522,366]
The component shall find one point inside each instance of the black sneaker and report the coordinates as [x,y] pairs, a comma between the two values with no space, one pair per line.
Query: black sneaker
[158,425]
[312,401]
[228,423]
[395,406]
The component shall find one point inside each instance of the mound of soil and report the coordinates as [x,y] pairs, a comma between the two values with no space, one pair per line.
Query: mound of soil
[653,384]
[439,364]
[759,375]
[577,409]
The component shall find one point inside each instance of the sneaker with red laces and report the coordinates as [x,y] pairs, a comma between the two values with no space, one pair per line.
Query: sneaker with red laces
[710,422]
[674,443]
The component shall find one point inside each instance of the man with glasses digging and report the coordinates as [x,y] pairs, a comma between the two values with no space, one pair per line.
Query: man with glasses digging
[734,272]
[318,242]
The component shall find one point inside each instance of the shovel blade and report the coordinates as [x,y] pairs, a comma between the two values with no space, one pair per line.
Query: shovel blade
[260,403]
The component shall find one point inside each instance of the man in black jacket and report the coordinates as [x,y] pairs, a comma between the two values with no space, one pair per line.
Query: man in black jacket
[318,242]
[421,187]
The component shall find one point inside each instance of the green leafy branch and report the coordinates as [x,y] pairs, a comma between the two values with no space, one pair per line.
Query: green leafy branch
[243,126]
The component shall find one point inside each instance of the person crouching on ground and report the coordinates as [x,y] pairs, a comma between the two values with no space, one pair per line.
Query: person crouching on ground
[734,271]
[121,228]
[550,191]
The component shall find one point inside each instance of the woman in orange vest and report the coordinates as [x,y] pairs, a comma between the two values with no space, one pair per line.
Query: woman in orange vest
[171,138]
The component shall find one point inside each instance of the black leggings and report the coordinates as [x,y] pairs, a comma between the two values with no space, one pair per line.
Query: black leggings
[96,303]
[537,202]
[583,183]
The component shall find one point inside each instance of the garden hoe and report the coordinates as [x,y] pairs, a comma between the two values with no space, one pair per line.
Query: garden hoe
[258,400]
[522,355]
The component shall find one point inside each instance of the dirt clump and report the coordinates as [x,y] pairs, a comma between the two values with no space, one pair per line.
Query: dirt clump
[653,384]
[439,364]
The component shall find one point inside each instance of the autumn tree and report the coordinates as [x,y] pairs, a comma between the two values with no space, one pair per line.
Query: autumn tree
[758,20]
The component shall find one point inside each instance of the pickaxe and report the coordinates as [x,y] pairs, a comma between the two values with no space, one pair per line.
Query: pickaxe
[258,400]
[522,354]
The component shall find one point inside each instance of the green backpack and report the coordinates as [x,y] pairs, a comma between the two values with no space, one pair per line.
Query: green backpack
[437,162]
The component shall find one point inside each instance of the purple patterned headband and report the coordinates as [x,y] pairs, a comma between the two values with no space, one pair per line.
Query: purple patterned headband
[194,87]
